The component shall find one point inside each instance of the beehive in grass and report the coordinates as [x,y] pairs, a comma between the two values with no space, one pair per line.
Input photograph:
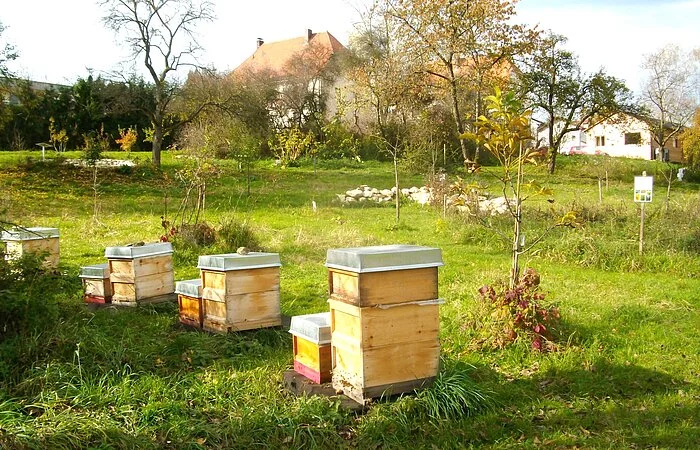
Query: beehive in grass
[96,285]
[20,241]
[384,309]
[311,334]
[141,274]
[189,300]
[240,291]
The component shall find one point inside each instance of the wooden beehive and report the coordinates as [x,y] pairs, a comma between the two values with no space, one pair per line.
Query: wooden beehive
[384,319]
[311,334]
[189,301]
[382,275]
[20,241]
[96,285]
[378,352]
[141,274]
[240,292]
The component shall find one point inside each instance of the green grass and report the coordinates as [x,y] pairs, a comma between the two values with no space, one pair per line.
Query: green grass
[626,374]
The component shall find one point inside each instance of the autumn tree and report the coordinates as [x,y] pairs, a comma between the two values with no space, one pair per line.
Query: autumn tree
[463,44]
[668,93]
[162,33]
[556,88]
[691,142]
[7,53]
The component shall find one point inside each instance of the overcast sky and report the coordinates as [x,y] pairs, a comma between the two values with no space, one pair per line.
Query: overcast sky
[59,41]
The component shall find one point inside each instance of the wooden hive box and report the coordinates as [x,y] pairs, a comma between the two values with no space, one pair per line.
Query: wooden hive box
[384,318]
[311,334]
[141,274]
[240,292]
[189,301]
[384,351]
[96,285]
[19,241]
[382,275]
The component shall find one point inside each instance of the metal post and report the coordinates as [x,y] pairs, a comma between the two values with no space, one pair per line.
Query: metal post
[641,232]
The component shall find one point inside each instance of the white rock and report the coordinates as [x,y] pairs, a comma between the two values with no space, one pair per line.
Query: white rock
[362,199]
[405,191]
[354,193]
[386,192]
[413,190]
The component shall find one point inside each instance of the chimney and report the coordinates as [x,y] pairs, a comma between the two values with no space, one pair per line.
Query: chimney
[309,34]
[260,42]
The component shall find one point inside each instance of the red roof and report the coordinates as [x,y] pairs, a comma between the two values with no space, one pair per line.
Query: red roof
[275,56]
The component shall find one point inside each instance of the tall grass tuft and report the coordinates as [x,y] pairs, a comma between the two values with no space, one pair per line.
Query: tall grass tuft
[453,396]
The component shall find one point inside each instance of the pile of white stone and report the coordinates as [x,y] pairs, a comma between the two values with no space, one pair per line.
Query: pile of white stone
[424,195]
[366,193]
[102,162]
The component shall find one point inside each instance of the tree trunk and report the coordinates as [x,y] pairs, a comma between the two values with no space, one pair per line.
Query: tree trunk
[157,142]
[552,147]
[398,190]
[456,115]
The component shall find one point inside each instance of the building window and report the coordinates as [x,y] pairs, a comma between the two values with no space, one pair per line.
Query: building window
[600,141]
[675,142]
[633,138]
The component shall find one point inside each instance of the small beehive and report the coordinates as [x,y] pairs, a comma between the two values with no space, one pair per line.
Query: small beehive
[312,346]
[19,241]
[240,291]
[384,319]
[96,284]
[141,273]
[189,300]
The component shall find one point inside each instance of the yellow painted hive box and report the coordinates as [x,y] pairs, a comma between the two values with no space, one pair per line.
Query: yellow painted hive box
[240,291]
[189,302]
[312,346]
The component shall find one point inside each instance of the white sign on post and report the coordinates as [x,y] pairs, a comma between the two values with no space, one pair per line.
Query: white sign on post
[643,188]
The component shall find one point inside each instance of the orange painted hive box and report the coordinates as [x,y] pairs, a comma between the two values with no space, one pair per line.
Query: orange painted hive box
[312,346]
[189,301]
[385,319]
[96,285]
[20,241]
[240,292]
[141,273]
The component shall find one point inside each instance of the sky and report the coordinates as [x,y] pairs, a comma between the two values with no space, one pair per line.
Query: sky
[61,41]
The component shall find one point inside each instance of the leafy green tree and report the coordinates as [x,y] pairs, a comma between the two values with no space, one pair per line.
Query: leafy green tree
[505,132]
[553,84]
[7,53]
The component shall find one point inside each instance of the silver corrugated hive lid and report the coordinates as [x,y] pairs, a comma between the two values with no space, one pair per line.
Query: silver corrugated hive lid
[190,288]
[235,261]
[27,234]
[382,258]
[312,327]
[95,271]
[139,251]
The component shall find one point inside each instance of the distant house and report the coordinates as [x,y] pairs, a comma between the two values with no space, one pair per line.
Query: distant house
[304,71]
[278,57]
[622,136]
[10,85]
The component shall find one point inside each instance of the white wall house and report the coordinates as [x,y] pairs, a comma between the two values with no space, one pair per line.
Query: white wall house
[622,136]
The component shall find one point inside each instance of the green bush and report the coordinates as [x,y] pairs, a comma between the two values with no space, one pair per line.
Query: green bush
[27,294]
[232,234]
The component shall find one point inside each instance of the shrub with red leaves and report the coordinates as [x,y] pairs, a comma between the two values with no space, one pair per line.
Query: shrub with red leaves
[521,312]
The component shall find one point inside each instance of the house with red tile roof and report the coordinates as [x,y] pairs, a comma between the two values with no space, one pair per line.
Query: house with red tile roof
[304,70]
[276,57]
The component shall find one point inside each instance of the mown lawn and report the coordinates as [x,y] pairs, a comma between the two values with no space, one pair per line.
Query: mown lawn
[625,374]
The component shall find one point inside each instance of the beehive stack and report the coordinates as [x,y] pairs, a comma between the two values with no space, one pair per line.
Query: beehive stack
[240,291]
[96,285]
[312,346]
[20,241]
[141,274]
[384,319]
[189,301]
